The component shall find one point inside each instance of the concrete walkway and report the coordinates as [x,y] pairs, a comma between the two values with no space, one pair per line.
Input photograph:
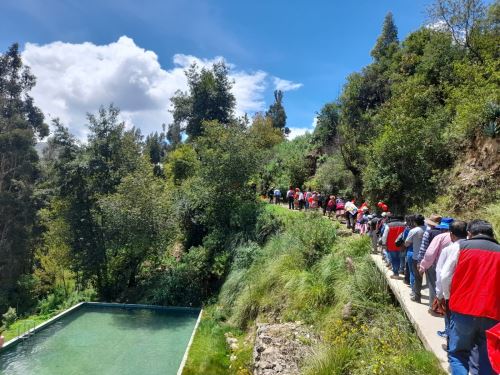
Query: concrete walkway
[425,324]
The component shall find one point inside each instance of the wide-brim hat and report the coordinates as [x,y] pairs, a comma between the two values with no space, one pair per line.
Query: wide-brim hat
[433,220]
[445,223]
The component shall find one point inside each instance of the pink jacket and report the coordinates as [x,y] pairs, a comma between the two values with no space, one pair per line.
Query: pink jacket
[434,250]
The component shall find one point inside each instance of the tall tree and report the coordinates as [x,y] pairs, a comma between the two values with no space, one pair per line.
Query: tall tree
[387,42]
[96,171]
[462,19]
[277,114]
[21,122]
[326,130]
[209,98]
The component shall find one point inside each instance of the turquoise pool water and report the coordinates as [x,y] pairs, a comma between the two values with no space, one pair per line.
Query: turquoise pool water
[105,341]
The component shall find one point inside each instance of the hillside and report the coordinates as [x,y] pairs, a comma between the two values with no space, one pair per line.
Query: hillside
[304,272]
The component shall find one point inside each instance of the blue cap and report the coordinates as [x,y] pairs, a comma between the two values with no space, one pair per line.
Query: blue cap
[445,223]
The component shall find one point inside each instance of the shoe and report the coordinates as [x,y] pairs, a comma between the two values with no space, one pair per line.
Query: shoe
[445,347]
[415,299]
[395,277]
[412,294]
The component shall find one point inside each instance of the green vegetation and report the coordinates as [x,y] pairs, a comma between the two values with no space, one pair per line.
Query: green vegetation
[173,218]
[301,274]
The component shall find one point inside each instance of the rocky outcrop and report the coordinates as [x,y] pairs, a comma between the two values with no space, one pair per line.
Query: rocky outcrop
[280,348]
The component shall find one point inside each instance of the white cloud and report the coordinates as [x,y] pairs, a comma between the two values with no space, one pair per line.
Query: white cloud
[73,79]
[285,85]
[315,121]
[297,132]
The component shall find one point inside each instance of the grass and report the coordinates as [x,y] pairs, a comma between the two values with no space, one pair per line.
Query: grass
[301,273]
[22,325]
[209,353]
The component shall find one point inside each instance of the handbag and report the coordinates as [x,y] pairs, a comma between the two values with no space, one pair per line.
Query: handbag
[400,240]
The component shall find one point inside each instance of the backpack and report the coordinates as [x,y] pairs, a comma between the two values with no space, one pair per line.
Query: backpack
[330,203]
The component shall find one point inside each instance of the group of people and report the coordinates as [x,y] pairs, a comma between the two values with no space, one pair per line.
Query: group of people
[461,264]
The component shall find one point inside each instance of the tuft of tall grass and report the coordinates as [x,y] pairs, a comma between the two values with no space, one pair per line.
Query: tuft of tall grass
[333,360]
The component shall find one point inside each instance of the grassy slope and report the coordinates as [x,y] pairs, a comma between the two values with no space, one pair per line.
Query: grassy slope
[301,274]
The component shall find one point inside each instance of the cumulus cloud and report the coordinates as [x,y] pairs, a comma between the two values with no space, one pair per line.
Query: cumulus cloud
[285,85]
[73,79]
[297,132]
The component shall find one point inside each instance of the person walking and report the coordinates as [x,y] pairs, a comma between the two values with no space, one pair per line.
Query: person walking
[290,197]
[428,263]
[270,195]
[408,253]
[473,270]
[414,240]
[458,233]
[392,230]
[277,196]
[351,212]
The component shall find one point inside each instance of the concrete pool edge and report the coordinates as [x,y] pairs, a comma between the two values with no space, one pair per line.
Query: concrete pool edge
[186,353]
[16,340]
[41,326]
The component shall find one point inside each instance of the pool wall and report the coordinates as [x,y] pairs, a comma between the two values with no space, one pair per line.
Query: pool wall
[18,339]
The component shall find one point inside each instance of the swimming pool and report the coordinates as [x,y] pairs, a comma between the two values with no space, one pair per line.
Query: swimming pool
[105,339]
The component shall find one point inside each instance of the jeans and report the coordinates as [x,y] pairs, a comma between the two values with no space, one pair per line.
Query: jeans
[402,261]
[466,332]
[417,286]
[430,275]
[409,266]
[374,237]
[290,203]
[395,260]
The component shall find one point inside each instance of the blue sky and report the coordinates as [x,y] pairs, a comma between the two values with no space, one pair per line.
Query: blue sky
[315,44]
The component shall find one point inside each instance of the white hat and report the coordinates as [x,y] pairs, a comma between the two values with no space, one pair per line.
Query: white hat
[384,214]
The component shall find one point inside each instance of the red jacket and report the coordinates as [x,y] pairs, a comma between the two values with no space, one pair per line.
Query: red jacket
[395,229]
[493,340]
[475,288]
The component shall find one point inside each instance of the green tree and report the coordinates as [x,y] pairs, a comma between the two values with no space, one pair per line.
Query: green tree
[265,135]
[387,42]
[181,164]
[96,170]
[208,98]
[277,114]
[326,130]
[21,123]
[136,226]
[462,18]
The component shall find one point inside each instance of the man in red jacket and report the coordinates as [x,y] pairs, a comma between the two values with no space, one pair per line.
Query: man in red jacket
[474,297]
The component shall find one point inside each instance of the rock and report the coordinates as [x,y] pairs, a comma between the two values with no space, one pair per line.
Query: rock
[347,310]
[280,348]
[349,263]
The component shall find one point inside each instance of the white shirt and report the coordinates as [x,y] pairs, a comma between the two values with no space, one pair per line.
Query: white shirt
[448,268]
[385,235]
[439,266]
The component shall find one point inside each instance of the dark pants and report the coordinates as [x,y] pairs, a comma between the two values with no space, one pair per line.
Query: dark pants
[301,204]
[465,333]
[394,257]
[431,283]
[351,221]
[290,203]
[417,286]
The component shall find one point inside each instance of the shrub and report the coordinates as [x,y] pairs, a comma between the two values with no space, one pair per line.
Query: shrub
[316,236]
[9,317]
[268,224]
